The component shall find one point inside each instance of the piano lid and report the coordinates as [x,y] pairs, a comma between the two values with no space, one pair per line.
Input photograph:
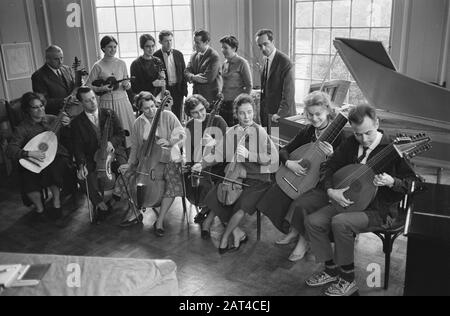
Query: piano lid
[386,89]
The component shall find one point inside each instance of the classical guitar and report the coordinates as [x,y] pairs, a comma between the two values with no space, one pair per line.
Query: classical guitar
[359,177]
[311,157]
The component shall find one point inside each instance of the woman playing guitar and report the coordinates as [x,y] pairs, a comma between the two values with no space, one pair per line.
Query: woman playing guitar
[248,144]
[170,135]
[275,204]
[195,107]
[36,122]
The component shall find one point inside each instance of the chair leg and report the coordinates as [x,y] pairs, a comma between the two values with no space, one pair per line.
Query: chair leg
[258,225]
[387,248]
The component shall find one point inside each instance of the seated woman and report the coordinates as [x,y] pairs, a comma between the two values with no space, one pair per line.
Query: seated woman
[258,156]
[275,204]
[195,107]
[170,134]
[36,122]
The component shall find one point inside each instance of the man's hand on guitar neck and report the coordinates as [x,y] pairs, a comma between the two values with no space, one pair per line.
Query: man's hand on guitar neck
[338,196]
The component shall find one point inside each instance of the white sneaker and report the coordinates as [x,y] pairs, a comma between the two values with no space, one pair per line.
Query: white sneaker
[341,288]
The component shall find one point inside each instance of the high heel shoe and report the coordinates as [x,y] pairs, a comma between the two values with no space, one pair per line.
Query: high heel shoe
[298,256]
[286,240]
[158,231]
[242,241]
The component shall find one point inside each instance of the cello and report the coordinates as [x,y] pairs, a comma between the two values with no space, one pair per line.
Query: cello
[201,183]
[149,179]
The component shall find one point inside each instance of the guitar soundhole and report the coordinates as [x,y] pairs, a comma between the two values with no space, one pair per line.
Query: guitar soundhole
[43,147]
[305,164]
[356,186]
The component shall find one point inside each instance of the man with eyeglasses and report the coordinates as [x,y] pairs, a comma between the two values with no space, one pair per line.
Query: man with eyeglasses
[54,81]
[393,180]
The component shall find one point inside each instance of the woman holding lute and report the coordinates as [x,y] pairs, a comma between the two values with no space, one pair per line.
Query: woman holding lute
[35,123]
[252,157]
[276,203]
[169,135]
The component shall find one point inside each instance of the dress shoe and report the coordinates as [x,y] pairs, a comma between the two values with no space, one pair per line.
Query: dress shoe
[206,234]
[200,217]
[133,221]
[158,231]
[226,249]
[38,217]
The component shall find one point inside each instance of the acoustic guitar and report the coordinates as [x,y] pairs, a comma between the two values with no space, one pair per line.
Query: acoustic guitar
[311,157]
[359,177]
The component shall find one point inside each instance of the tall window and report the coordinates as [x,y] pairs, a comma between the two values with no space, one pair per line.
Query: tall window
[127,20]
[318,22]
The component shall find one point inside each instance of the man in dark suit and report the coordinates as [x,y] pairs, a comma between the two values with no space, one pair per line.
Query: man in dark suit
[54,80]
[203,69]
[175,66]
[277,81]
[87,129]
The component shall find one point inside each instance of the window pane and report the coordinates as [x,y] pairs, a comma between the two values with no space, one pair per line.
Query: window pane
[303,41]
[104,3]
[106,20]
[181,18]
[127,45]
[143,2]
[124,3]
[320,67]
[345,33]
[301,90]
[360,33]
[303,66]
[181,2]
[163,17]
[341,13]
[381,13]
[162,2]
[321,41]
[303,17]
[361,13]
[183,41]
[125,20]
[339,70]
[144,19]
[355,95]
[322,13]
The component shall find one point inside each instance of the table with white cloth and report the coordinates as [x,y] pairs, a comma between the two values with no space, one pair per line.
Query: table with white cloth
[94,276]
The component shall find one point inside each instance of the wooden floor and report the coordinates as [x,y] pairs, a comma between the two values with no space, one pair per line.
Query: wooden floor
[259,268]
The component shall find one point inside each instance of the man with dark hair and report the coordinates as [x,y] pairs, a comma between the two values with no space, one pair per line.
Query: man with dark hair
[174,66]
[277,81]
[203,69]
[54,80]
[330,214]
[87,129]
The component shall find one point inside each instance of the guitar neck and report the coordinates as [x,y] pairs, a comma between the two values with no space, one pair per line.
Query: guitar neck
[333,130]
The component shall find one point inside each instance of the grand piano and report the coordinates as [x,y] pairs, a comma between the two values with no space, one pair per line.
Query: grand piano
[404,104]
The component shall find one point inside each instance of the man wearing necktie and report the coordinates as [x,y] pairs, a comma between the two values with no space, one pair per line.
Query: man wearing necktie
[277,81]
[203,69]
[54,80]
[174,66]
[325,203]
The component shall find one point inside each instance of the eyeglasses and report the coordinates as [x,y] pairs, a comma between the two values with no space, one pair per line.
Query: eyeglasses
[37,107]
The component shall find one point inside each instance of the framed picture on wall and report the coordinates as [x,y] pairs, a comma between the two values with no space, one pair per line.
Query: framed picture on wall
[17,60]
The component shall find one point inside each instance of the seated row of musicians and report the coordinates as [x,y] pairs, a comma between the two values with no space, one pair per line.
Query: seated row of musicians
[170,136]
[252,157]
[35,123]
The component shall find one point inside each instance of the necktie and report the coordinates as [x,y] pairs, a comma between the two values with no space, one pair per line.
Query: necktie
[363,155]
[265,73]
[61,77]
[168,53]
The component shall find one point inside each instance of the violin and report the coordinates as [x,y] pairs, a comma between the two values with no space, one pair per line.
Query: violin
[150,184]
[201,183]
[228,192]
[111,82]
[104,158]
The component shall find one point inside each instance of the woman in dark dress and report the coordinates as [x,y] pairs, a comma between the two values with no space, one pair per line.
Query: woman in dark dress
[275,204]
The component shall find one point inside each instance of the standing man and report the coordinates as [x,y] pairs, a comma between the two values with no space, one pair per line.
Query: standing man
[54,80]
[203,69]
[175,66]
[277,81]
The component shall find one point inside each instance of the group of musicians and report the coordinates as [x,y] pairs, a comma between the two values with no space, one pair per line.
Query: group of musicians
[238,161]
